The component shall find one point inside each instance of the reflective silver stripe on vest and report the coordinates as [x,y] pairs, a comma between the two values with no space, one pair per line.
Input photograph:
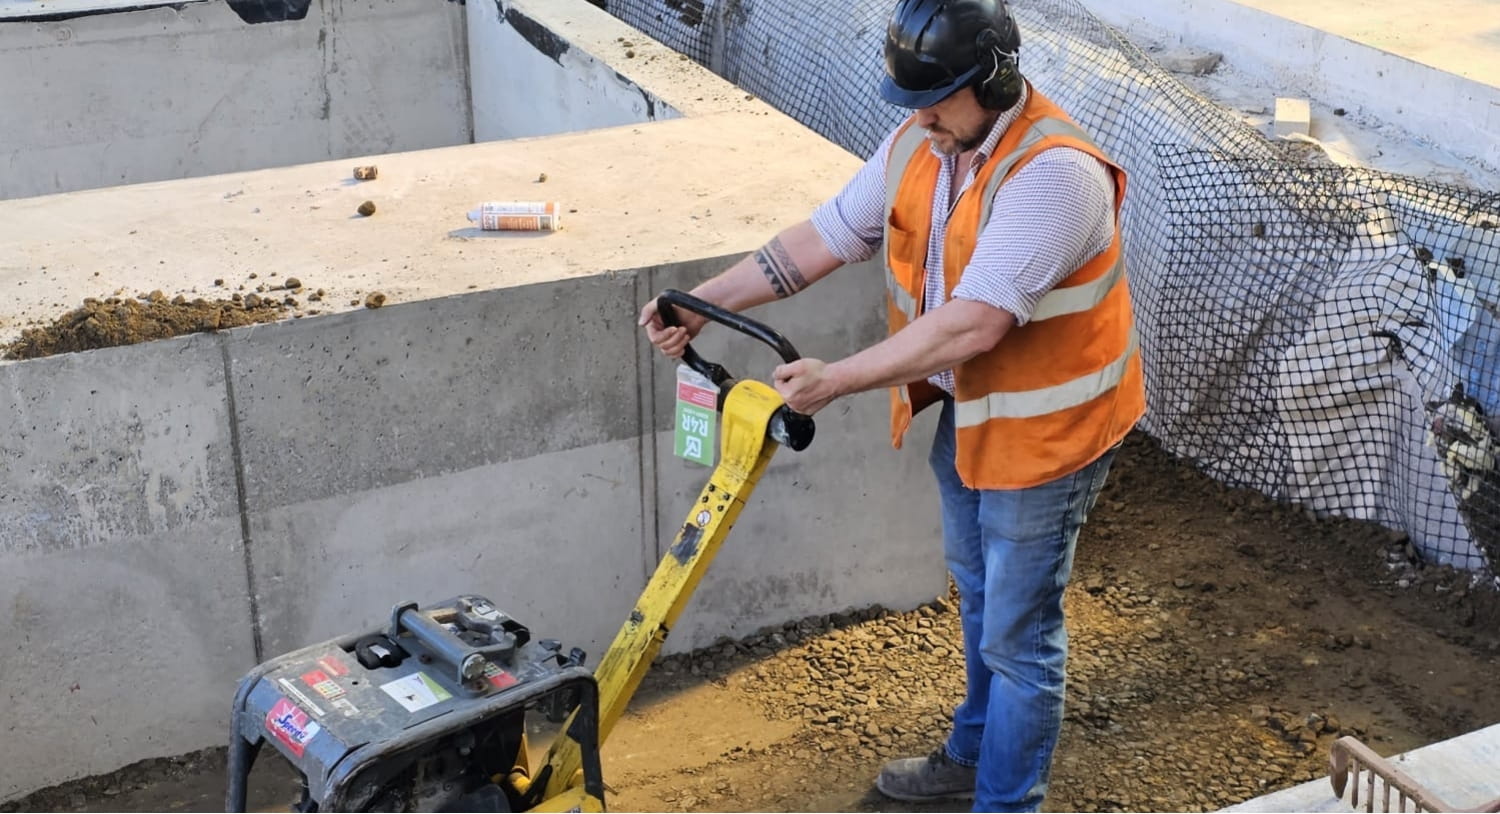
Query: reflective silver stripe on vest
[902,151]
[904,301]
[1046,400]
[1059,301]
[1078,298]
[906,145]
[1042,129]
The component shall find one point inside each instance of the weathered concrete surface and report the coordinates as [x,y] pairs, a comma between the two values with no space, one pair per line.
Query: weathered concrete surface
[642,197]
[483,443]
[1430,70]
[364,401]
[529,81]
[123,577]
[553,540]
[164,93]
[680,83]
[1457,36]
[848,516]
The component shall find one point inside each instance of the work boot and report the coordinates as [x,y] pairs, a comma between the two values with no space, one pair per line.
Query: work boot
[935,777]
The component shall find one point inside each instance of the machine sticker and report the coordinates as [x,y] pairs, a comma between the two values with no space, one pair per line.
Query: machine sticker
[291,689]
[322,684]
[498,677]
[697,393]
[345,706]
[291,726]
[334,667]
[696,417]
[416,691]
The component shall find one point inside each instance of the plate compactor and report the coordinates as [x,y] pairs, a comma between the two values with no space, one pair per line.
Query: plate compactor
[432,712]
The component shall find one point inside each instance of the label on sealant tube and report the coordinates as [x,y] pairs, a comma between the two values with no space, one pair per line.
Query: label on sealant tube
[518,216]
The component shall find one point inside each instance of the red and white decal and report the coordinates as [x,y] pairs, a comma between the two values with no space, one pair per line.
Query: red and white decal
[498,677]
[291,726]
[701,396]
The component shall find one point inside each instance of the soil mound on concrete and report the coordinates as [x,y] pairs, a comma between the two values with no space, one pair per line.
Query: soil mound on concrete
[103,323]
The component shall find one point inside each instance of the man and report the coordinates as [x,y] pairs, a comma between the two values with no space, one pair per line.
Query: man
[1008,307]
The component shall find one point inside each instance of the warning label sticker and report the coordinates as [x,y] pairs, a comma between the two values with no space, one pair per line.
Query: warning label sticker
[291,726]
[322,684]
[416,691]
[291,689]
[333,666]
[696,394]
[498,677]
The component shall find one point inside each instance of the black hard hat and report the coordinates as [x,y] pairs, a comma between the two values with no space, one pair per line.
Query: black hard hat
[935,47]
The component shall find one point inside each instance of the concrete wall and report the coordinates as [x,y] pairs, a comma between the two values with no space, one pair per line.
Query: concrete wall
[445,446]
[172,506]
[540,67]
[529,81]
[1440,109]
[123,589]
[168,92]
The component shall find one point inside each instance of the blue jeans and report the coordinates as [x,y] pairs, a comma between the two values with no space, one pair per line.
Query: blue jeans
[1011,553]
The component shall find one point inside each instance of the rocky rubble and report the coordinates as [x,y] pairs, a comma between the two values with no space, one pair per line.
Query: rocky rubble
[1220,643]
[1150,725]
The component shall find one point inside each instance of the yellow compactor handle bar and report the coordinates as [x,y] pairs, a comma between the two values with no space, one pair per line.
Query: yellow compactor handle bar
[755,422]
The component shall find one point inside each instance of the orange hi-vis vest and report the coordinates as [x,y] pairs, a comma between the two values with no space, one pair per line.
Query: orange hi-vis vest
[1055,393]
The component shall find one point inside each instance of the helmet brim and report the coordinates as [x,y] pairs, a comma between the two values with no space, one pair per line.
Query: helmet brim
[914,99]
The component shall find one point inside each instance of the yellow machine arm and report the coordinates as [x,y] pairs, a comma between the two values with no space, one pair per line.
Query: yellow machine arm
[755,422]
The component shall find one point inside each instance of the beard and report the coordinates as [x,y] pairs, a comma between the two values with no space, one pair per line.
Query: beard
[973,141]
[951,143]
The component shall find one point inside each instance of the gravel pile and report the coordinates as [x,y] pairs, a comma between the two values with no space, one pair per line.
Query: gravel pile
[1150,724]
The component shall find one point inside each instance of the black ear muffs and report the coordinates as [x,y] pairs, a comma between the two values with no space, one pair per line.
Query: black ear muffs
[998,83]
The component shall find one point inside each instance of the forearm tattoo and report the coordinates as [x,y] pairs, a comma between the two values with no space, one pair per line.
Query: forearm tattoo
[780,270]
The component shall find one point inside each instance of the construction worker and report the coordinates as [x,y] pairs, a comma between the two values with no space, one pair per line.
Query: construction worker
[1008,309]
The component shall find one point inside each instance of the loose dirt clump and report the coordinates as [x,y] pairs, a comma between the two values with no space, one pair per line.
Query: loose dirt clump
[103,323]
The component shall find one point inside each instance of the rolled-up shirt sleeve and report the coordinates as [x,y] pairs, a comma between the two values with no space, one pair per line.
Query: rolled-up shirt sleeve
[852,223]
[1048,220]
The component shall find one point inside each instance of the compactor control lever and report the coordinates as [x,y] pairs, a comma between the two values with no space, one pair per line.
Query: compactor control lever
[788,427]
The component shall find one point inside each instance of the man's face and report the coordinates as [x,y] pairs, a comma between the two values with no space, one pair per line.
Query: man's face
[957,124]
